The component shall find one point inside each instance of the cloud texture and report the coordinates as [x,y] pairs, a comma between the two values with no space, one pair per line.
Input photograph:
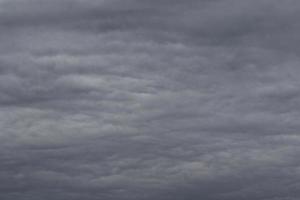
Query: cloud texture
[149,99]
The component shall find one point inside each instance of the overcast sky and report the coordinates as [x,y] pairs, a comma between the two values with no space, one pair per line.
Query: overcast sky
[149,99]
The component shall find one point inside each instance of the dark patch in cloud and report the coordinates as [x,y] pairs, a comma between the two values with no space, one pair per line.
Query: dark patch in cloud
[138,99]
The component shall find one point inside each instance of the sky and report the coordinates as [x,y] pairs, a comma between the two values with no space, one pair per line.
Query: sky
[149,99]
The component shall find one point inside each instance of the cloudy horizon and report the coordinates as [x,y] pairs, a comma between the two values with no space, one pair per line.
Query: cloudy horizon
[149,99]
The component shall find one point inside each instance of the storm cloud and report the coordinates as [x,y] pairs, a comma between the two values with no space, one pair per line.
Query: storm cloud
[149,99]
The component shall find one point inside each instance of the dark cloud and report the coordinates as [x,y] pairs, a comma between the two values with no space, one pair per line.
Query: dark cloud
[138,99]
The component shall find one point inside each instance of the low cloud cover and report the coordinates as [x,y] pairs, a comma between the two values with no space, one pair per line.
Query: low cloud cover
[149,99]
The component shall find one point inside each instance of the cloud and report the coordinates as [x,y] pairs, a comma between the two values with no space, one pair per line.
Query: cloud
[149,99]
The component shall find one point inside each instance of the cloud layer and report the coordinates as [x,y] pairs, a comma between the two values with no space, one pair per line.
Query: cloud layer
[139,99]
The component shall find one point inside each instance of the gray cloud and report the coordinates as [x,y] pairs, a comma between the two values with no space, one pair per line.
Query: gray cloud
[149,99]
